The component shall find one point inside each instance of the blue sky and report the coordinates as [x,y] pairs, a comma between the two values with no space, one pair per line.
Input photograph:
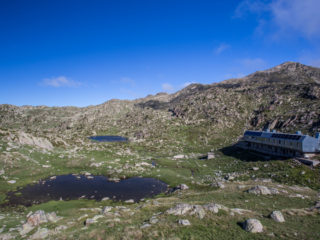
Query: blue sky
[85,52]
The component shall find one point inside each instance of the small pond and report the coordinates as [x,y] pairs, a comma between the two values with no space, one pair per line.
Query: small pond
[70,187]
[109,138]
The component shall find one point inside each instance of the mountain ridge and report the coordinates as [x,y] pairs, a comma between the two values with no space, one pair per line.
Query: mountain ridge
[285,97]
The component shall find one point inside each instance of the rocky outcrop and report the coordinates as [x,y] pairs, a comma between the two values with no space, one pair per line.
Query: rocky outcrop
[28,139]
[262,190]
[180,209]
[37,218]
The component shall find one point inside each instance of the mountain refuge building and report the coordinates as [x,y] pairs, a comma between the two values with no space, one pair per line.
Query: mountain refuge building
[281,144]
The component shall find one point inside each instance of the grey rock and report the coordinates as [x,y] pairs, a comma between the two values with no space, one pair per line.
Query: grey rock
[218,185]
[277,216]
[210,155]
[212,207]
[263,190]
[180,209]
[253,225]
[37,218]
[52,217]
[106,209]
[146,225]
[184,222]
[40,234]
[198,210]
[183,187]
[90,221]
[26,228]
[25,138]
[180,156]
[154,220]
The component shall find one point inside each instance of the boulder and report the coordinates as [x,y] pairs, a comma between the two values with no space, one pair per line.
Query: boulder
[42,233]
[26,228]
[198,210]
[52,217]
[145,226]
[253,225]
[210,155]
[212,207]
[180,209]
[184,222]
[277,216]
[106,209]
[154,220]
[37,218]
[218,185]
[263,190]
[183,187]
[179,156]
[89,221]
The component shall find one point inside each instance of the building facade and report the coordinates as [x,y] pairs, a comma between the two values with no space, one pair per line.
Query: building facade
[280,144]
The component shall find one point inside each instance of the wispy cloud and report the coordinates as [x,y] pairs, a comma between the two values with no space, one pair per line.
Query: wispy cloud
[127,80]
[253,63]
[167,87]
[297,15]
[60,81]
[284,17]
[246,7]
[221,48]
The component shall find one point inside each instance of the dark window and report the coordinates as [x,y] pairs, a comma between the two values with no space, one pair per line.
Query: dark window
[285,136]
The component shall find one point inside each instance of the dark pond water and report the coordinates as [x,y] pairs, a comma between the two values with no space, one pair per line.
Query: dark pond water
[69,187]
[109,138]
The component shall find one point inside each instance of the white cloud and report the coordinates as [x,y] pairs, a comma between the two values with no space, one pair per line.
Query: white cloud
[253,63]
[127,80]
[167,87]
[297,15]
[250,6]
[221,48]
[284,17]
[61,81]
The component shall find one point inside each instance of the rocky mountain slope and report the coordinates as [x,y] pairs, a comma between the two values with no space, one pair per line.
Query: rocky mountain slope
[285,98]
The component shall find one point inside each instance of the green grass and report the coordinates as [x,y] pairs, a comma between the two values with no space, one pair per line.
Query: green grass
[26,167]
